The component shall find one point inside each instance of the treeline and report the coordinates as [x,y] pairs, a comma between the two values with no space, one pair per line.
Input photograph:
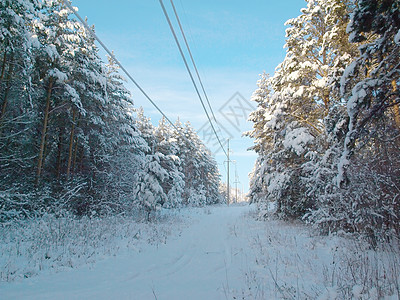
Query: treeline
[327,125]
[70,138]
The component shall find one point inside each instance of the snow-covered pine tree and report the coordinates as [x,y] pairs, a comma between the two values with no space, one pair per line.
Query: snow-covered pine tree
[68,118]
[16,42]
[148,190]
[322,169]
[17,104]
[209,175]
[212,179]
[369,166]
[261,96]
[377,95]
[290,123]
[73,115]
[181,150]
[53,69]
[201,176]
[201,173]
[174,185]
[89,82]
[118,147]
[283,154]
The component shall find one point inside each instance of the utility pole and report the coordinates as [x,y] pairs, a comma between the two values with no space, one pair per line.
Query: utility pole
[227,184]
[236,181]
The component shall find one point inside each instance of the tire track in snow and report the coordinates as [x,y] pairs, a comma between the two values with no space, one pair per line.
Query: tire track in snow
[198,264]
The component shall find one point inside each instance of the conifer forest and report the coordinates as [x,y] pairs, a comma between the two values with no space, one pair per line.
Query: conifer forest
[327,124]
[98,200]
[72,139]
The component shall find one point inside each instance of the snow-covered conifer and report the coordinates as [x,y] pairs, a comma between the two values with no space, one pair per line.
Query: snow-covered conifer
[289,126]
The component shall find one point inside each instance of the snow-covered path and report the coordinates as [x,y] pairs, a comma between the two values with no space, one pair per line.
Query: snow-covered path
[202,263]
[224,253]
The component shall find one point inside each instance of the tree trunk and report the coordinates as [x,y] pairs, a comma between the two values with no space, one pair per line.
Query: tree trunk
[81,161]
[44,131]
[325,96]
[75,156]
[7,90]
[396,110]
[59,150]
[71,142]
[3,65]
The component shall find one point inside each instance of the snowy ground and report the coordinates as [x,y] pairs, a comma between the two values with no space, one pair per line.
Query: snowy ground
[223,253]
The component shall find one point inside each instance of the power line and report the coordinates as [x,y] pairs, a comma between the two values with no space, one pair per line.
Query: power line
[190,73]
[192,59]
[194,65]
[126,72]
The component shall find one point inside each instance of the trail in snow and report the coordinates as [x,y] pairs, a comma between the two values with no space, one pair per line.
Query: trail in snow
[203,263]
[224,253]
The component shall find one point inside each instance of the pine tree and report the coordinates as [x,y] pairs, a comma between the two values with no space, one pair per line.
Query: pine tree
[54,63]
[371,145]
[174,185]
[151,176]
[17,103]
[69,138]
[375,96]
[289,123]
[200,169]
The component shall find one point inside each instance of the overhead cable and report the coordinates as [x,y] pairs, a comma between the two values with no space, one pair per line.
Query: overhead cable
[190,73]
[126,72]
[192,59]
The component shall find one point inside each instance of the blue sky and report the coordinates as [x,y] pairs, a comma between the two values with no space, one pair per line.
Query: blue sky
[232,42]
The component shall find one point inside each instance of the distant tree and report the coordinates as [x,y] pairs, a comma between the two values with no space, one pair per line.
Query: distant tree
[174,185]
[149,192]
